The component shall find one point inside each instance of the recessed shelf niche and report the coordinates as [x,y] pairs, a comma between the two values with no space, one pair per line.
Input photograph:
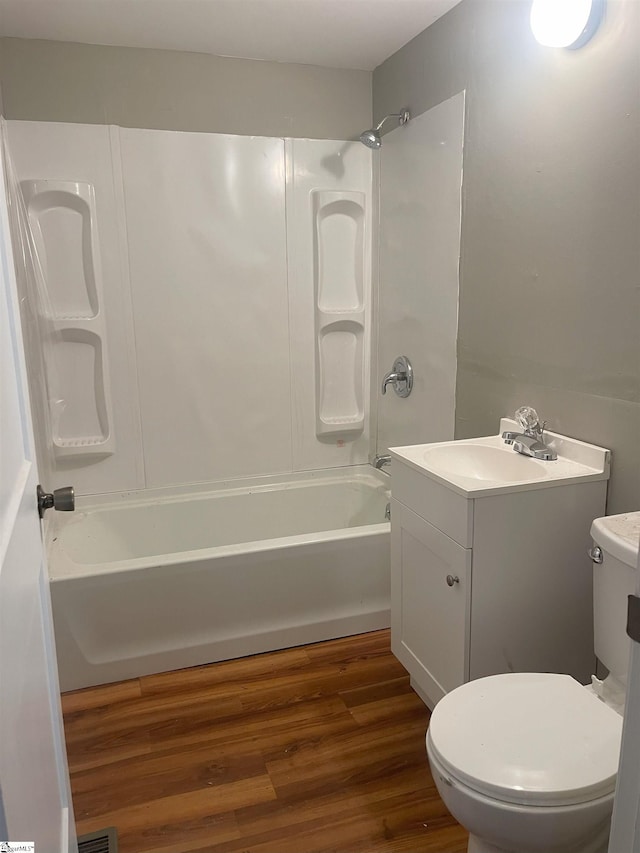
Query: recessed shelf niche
[62,218]
[339,274]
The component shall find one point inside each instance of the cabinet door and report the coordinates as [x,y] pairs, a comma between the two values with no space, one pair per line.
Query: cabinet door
[430,604]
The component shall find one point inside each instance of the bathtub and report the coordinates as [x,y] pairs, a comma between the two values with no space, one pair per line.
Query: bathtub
[170,580]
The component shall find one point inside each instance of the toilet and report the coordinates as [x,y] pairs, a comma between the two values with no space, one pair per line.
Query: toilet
[527,762]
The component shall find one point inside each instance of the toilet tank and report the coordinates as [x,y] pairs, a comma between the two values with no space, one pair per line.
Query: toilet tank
[614,579]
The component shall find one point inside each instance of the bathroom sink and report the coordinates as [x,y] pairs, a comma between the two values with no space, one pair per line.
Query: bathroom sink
[483,466]
[481,462]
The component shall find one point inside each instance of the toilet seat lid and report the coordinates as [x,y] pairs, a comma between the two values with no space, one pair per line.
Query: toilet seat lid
[528,738]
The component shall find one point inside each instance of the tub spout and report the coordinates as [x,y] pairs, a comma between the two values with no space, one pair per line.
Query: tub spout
[380,461]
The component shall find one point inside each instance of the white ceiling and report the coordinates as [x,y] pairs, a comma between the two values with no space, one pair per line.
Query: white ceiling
[334,33]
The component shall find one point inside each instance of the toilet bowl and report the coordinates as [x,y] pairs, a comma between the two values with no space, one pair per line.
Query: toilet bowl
[527,762]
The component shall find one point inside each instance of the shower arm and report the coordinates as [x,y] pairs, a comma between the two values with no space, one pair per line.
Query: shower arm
[403,118]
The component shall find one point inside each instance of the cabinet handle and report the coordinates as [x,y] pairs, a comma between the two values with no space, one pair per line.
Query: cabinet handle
[451,580]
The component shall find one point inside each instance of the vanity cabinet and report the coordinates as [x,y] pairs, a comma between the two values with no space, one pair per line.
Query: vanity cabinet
[489,584]
[433,588]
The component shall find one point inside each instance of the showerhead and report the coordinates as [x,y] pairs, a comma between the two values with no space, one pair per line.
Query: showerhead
[372,139]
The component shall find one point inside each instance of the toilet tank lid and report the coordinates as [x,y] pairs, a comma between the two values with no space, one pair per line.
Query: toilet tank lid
[619,535]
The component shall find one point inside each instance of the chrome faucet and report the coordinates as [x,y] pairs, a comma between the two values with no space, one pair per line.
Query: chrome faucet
[391,377]
[529,445]
[529,442]
[380,461]
[400,377]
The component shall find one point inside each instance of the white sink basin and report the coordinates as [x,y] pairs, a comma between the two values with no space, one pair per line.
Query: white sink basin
[480,462]
[484,466]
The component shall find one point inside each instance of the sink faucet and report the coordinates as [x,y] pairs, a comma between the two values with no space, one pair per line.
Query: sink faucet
[529,445]
[530,441]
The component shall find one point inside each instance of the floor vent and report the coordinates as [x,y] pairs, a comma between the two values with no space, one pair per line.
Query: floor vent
[103,841]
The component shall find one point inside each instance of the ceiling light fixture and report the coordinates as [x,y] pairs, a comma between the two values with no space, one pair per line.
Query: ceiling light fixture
[565,23]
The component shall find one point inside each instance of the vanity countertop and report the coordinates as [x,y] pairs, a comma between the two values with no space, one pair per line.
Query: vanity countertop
[478,467]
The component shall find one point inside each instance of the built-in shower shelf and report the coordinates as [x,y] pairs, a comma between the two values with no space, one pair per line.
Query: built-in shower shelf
[340,318]
[339,287]
[342,421]
[80,442]
[72,318]
[63,222]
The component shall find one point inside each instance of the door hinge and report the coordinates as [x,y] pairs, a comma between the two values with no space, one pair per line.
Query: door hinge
[633,618]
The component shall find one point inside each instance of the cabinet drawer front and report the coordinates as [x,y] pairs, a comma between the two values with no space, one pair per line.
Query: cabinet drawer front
[434,502]
[431,593]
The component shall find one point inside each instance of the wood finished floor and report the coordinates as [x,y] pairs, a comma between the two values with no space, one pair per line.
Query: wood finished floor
[317,749]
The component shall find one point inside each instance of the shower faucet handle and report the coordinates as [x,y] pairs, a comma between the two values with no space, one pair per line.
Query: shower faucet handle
[401,377]
[392,377]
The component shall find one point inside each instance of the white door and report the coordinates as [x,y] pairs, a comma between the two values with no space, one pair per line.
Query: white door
[35,802]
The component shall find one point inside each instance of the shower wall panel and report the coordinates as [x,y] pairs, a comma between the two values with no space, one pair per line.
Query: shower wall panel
[418,273]
[329,245]
[232,322]
[207,249]
[70,180]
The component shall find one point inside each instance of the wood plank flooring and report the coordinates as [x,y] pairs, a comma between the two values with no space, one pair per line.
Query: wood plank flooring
[318,749]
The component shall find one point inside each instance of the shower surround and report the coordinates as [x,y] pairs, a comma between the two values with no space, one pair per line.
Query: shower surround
[221,262]
[210,303]
[218,415]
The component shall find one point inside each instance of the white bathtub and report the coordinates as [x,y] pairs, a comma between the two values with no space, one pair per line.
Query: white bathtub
[175,580]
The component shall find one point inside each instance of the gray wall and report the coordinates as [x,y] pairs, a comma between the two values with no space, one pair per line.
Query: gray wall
[550,266]
[176,90]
